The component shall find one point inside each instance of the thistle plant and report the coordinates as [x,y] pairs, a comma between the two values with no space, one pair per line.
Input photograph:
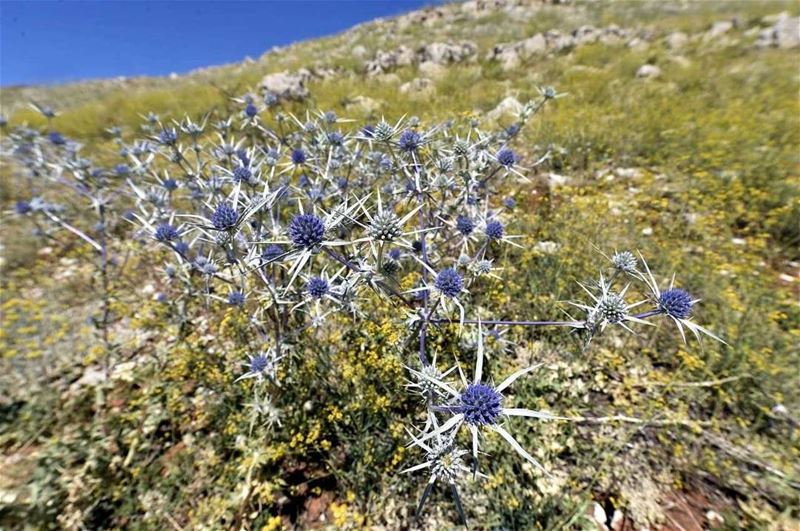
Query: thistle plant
[296,224]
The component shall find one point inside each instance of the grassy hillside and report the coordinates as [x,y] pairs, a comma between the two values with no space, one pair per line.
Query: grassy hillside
[696,167]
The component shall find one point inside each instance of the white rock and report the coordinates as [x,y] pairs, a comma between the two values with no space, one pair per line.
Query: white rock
[546,247]
[363,104]
[510,106]
[419,86]
[718,28]
[555,180]
[676,40]
[599,515]
[787,32]
[647,231]
[287,85]
[358,51]
[618,520]
[432,70]
[648,71]
[714,518]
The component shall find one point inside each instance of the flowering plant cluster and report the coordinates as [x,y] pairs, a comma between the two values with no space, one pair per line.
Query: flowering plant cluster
[290,220]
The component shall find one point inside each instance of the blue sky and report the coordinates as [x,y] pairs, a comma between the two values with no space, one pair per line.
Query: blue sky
[57,41]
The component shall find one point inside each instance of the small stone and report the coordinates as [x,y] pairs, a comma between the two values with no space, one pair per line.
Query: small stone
[419,86]
[676,40]
[510,106]
[648,72]
[718,28]
[714,518]
[647,231]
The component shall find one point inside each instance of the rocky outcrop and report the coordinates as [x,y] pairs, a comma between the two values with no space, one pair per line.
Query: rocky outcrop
[438,53]
[784,32]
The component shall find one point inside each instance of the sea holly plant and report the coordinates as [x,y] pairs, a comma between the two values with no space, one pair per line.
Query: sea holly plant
[297,224]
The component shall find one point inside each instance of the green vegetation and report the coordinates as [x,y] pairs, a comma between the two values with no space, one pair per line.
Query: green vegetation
[698,168]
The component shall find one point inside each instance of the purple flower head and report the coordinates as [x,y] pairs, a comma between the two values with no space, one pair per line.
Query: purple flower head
[56,138]
[23,207]
[241,154]
[317,287]
[170,184]
[480,404]
[449,282]
[242,173]
[224,217]
[506,158]
[676,303]
[509,203]
[494,229]
[394,254]
[182,248]
[465,225]
[236,298]
[168,137]
[122,170]
[298,156]
[259,364]
[306,230]
[250,110]
[272,252]
[336,138]
[409,141]
[166,232]
[368,131]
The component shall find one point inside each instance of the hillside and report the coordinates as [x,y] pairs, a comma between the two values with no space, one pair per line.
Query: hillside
[675,134]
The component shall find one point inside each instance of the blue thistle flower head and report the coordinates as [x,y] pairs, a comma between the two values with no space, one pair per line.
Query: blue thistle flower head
[494,229]
[259,364]
[317,287]
[168,137]
[270,99]
[298,156]
[472,200]
[676,303]
[341,183]
[509,202]
[506,157]
[242,173]
[170,184]
[236,298]
[128,215]
[241,154]
[336,138]
[394,254]
[480,404]
[56,138]
[512,129]
[23,207]
[329,117]
[306,230]
[122,169]
[409,141]
[368,131]
[449,282]
[250,110]
[272,252]
[224,217]
[465,225]
[166,232]
[182,248]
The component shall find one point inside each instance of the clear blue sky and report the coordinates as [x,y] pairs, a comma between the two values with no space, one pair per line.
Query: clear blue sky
[57,41]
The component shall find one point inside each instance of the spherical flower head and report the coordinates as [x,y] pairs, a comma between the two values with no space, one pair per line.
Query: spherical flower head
[394,254]
[170,184]
[461,148]
[306,230]
[383,131]
[224,217]
[242,173]
[624,262]
[494,229]
[168,137]
[368,131]
[166,232]
[390,267]
[341,183]
[270,99]
[509,203]
[182,248]
[250,110]
[506,158]
[612,308]
[122,169]
[259,363]
[512,129]
[465,225]
[483,267]
[676,303]
[409,141]
[449,282]
[272,252]
[317,287]
[298,156]
[56,138]
[236,298]
[385,226]
[336,138]
[480,404]
[329,117]
[23,207]
[243,157]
